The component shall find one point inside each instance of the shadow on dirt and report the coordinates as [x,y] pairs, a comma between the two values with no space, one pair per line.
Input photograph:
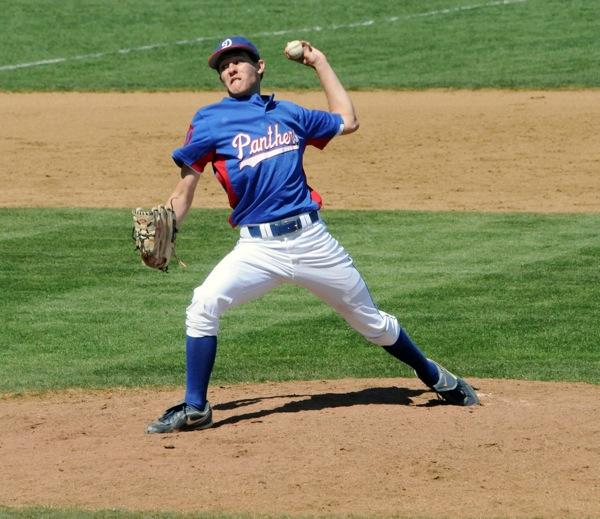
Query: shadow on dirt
[370,396]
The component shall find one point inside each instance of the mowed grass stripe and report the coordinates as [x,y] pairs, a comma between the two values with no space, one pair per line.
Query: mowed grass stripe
[135,45]
[492,295]
[148,47]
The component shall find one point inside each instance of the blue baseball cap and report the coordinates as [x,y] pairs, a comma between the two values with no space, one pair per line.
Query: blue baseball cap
[229,44]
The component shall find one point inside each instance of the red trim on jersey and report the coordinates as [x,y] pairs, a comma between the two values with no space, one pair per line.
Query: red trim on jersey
[318,143]
[201,163]
[220,169]
[315,197]
[188,135]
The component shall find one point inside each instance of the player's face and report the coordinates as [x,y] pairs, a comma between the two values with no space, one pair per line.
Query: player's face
[240,75]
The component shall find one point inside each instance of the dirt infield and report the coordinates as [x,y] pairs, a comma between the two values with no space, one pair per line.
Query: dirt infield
[483,151]
[362,447]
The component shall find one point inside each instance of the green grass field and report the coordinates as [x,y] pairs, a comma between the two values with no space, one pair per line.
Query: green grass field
[492,295]
[154,45]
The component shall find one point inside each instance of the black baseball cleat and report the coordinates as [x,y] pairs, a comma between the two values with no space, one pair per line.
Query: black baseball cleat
[182,417]
[454,390]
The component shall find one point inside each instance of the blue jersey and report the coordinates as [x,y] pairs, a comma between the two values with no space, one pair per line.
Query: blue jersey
[255,145]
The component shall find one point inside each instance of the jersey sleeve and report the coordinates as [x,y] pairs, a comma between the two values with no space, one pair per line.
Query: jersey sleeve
[321,127]
[198,147]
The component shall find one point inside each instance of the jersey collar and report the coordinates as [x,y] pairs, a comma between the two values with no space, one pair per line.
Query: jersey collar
[267,102]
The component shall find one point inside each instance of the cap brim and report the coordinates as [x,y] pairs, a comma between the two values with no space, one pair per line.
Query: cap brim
[216,56]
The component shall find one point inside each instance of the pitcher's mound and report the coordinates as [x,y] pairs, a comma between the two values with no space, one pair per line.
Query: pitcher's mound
[363,447]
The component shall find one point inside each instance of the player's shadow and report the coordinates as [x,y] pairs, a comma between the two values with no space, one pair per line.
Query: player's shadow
[370,396]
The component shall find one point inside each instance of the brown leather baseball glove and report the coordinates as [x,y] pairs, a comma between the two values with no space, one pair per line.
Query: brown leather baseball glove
[154,235]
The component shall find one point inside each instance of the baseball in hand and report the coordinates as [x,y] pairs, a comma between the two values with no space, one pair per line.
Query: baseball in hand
[295,50]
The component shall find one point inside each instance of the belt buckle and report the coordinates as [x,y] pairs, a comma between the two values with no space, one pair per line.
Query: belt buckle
[294,225]
[286,226]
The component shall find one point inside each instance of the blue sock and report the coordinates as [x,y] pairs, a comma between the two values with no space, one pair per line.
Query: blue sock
[200,353]
[405,350]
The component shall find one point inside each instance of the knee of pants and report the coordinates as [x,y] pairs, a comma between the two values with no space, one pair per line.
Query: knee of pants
[204,312]
[377,327]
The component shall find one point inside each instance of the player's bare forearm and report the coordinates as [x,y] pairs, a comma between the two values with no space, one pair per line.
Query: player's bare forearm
[338,98]
[183,195]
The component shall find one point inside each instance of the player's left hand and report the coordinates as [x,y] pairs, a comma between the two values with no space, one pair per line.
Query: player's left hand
[154,235]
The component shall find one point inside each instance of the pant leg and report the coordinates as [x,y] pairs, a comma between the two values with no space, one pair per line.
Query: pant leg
[326,269]
[250,270]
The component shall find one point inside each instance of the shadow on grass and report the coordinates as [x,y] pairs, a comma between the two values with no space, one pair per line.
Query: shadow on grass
[370,396]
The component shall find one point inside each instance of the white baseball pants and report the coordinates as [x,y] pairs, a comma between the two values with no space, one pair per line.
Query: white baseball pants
[309,257]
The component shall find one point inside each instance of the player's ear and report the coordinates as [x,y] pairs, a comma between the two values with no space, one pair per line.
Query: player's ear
[261,66]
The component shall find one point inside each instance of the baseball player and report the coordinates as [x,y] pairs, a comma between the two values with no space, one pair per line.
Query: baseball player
[255,145]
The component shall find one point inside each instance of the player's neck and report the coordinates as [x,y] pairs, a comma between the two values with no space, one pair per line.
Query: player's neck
[246,93]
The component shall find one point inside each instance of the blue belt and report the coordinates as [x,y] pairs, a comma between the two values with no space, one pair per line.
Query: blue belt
[281,227]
